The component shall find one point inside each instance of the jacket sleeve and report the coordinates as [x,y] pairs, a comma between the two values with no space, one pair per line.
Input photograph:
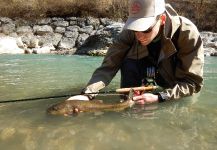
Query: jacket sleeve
[103,75]
[189,65]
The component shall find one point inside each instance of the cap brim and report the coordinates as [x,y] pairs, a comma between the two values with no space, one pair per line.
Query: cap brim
[139,24]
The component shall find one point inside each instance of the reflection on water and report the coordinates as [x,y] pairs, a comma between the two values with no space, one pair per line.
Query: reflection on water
[190,123]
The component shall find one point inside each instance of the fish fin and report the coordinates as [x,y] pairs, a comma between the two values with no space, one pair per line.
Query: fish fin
[130,97]
[76,110]
[131,94]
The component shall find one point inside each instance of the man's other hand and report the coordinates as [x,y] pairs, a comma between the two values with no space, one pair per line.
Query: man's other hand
[79,97]
[145,98]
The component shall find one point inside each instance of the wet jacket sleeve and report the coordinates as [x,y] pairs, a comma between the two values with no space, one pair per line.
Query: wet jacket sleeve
[189,65]
[111,63]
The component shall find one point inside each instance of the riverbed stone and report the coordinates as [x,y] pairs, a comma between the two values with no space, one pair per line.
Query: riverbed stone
[26,38]
[51,38]
[24,29]
[114,29]
[93,22]
[43,50]
[57,19]
[65,51]
[34,43]
[97,52]
[214,39]
[213,53]
[86,29]
[209,42]
[106,21]
[60,30]
[71,18]
[81,22]
[73,22]
[94,42]
[42,30]
[81,39]
[2,35]
[61,23]
[8,28]
[20,43]
[6,20]
[66,43]
[74,28]
[13,34]
[71,34]
[212,45]
[22,22]
[102,31]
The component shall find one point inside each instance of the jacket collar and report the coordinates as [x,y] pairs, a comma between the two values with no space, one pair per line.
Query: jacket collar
[170,27]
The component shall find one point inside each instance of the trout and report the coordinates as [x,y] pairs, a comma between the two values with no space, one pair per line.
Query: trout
[73,107]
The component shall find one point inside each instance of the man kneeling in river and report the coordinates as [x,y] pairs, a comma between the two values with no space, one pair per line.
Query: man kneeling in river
[155,44]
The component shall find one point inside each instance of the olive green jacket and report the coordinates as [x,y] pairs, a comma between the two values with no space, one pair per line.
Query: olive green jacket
[184,76]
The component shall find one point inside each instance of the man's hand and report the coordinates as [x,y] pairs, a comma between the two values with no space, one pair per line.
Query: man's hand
[79,97]
[145,98]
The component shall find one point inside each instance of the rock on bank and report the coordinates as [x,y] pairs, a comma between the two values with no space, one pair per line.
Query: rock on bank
[71,35]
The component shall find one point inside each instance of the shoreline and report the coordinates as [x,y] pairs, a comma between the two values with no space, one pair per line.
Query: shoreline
[70,35]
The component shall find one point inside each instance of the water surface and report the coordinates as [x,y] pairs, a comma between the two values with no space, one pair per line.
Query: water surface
[189,123]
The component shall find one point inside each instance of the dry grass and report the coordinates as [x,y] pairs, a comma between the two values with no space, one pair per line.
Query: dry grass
[48,8]
[202,12]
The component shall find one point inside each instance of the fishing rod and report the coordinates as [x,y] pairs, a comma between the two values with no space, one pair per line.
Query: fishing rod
[120,91]
[58,96]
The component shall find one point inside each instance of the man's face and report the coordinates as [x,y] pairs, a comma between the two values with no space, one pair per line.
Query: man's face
[146,37]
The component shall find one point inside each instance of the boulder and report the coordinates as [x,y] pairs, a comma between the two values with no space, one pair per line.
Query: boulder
[42,30]
[66,43]
[43,50]
[86,29]
[71,34]
[81,22]
[24,29]
[8,28]
[52,38]
[61,23]
[93,22]
[82,39]
[60,30]
[214,54]
[74,28]
[6,20]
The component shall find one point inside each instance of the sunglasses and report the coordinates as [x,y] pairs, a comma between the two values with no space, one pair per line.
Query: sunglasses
[149,30]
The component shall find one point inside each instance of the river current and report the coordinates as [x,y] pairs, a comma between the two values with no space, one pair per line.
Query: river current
[189,123]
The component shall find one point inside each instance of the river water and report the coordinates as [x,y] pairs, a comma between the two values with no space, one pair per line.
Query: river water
[190,123]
